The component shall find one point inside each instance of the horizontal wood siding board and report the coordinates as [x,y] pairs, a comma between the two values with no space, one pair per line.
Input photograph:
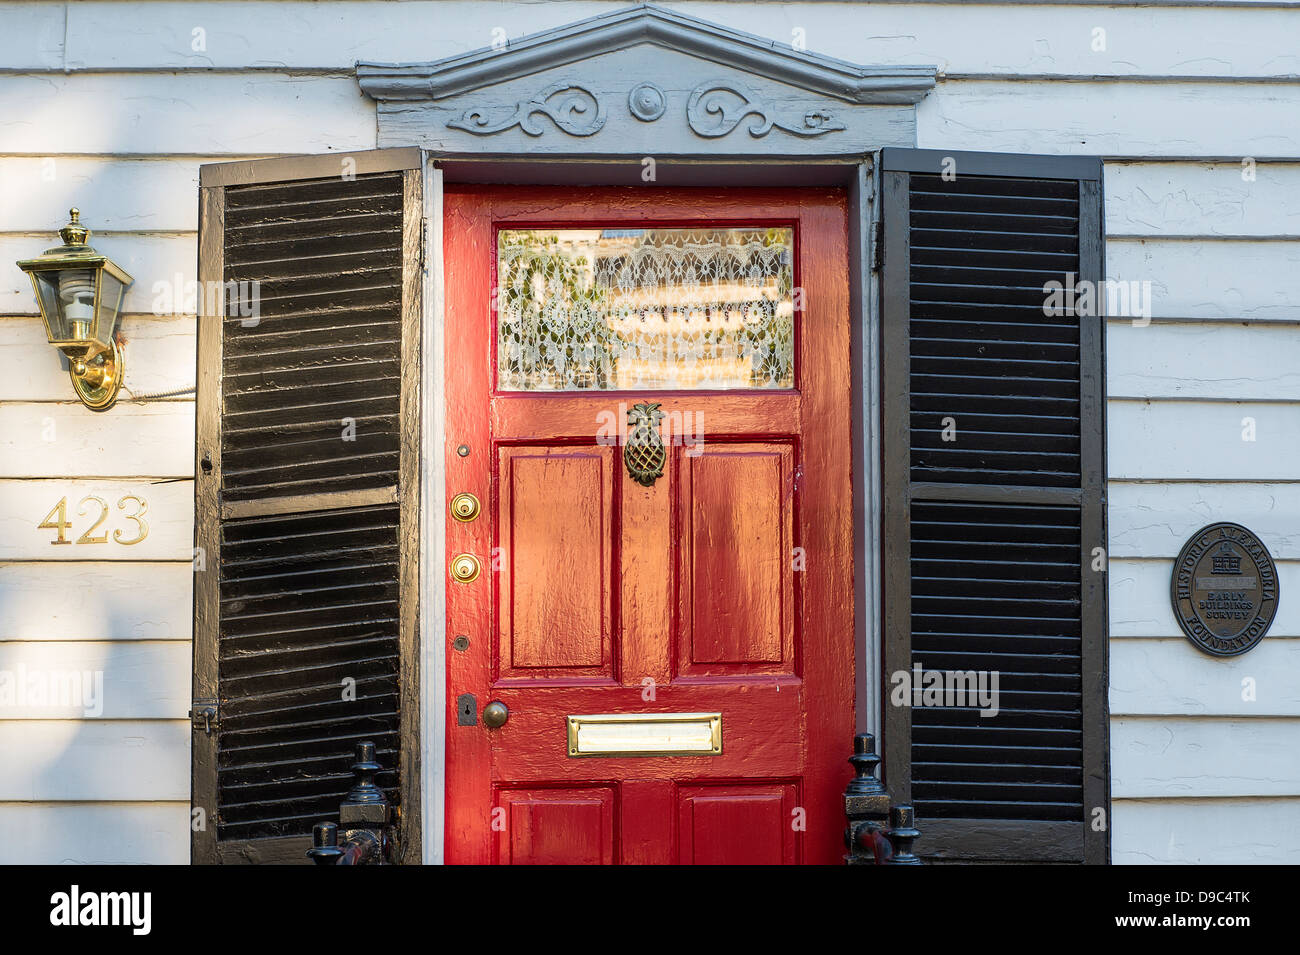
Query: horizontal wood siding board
[95,760]
[25,502]
[96,600]
[1170,677]
[149,258]
[1264,831]
[1210,279]
[1162,757]
[172,112]
[112,680]
[159,357]
[38,440]
[1203,441]
[1167,360]
[1144,40]
[1172,199]
[104,833]
[145,194]
[1140,605]
[1153,519]
[1179,119]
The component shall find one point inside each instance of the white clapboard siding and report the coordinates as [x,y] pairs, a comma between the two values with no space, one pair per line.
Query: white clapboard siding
[1194,199]
[1114,119]
[1155,520]
[1171,677]
[161,265]
[1205,831]
[158,352]
[95,760]
[121,833]
[958,38]
[1140,601]
[112,680]
[1170,757]
[45,439]
[114,194]
[122,600]
[1202,440]
[32,38]
[192,113]
[1212,279]
[26,503]
[1257,362]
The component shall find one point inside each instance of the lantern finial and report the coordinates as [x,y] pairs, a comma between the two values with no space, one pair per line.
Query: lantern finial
[74,233]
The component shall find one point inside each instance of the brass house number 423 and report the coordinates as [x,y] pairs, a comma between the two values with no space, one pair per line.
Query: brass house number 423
[57,520]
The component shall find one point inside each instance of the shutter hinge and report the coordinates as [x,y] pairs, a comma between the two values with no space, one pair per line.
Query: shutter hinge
[205,715]
[878,246]
[424,242]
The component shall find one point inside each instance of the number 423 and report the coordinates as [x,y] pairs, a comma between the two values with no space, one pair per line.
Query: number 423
[57,520]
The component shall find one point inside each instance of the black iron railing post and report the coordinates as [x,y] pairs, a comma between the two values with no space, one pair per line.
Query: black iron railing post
[877,834]
[365,817]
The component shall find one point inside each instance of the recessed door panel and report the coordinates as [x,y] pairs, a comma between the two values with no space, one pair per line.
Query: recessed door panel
[750,824]
[555,826]
[554,563]
[735,558]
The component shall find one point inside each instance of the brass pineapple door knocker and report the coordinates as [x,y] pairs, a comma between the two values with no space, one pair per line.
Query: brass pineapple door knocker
[643,451]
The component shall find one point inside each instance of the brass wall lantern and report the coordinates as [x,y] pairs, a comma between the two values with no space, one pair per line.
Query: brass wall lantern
[80,295]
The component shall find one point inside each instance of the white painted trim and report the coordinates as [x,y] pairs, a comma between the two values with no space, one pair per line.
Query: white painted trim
[433,597]
[862,182]
[865,475]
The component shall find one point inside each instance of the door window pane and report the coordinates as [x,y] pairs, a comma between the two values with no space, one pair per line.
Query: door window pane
[645,309]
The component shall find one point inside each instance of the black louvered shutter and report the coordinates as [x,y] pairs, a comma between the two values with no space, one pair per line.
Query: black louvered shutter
[993,463]
[306,496]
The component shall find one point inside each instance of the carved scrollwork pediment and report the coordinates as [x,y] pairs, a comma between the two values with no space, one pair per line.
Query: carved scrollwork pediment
[572,108]
[644,80]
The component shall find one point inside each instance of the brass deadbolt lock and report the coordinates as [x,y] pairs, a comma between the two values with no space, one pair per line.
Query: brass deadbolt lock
[464,507]
[464,568]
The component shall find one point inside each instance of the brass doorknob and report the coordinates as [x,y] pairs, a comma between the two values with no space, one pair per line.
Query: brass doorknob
[464,507]
[495,715]
[464,568]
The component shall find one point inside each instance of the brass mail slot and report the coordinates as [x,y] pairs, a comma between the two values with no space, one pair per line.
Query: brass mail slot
[646,734]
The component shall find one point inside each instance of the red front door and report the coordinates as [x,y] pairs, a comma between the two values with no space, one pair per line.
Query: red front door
[648,395]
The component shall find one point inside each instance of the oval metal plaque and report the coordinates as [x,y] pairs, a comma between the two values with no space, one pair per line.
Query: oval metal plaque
[1225,589]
